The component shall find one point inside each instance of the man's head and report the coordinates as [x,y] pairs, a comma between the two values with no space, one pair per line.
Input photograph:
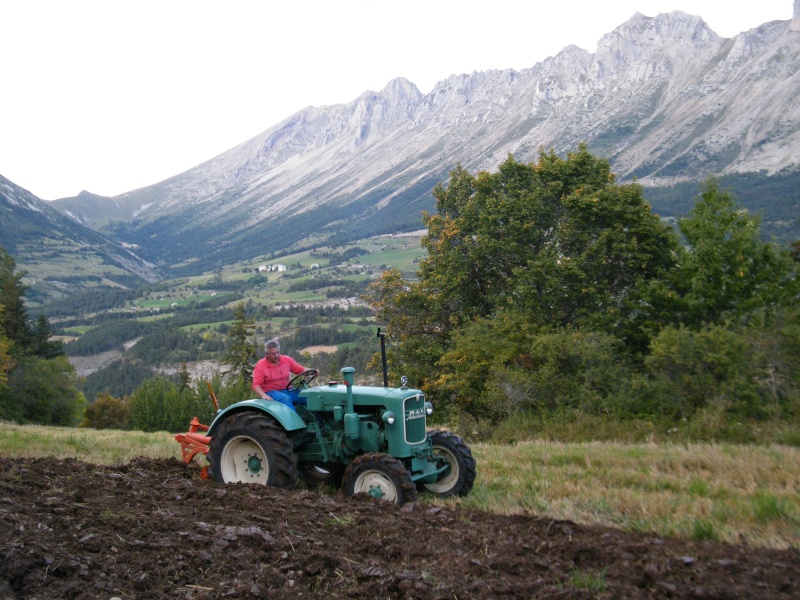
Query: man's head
[273,350]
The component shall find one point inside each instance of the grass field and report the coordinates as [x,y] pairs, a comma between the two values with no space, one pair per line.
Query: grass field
[709,492]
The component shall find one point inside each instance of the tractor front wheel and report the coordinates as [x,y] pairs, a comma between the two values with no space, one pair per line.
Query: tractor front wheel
[381,476]
[252,448]
[449,449]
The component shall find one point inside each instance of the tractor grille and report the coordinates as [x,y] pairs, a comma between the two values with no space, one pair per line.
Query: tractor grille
[414,419]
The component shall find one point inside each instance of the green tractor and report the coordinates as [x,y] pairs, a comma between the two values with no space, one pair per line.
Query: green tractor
[369,440]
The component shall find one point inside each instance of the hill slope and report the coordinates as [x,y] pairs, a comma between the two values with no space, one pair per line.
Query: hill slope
[60,255]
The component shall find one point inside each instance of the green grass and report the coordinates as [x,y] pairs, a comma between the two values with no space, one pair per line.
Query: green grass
[77,330]
[588,580]
[201,326]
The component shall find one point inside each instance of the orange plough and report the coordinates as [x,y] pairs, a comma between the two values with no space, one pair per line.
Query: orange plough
[193,442]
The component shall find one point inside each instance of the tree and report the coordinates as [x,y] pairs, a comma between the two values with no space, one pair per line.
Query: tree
[158,405]
[107,412]
[557,244]
[184,377]
[13,318]
[42,391]
[727,271]
[240,354]
[42,343]
[6,362]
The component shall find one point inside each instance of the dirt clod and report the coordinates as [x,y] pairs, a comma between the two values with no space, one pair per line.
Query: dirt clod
[153,529]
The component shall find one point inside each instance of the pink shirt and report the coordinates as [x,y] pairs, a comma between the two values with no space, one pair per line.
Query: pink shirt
[275,377]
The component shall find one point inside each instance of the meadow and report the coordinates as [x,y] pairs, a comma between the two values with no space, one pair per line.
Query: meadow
[738,494]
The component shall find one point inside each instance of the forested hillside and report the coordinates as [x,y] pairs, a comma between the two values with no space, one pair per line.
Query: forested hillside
[775,199]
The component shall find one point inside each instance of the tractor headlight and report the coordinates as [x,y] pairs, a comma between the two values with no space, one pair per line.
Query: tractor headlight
[388,417]
[428,408]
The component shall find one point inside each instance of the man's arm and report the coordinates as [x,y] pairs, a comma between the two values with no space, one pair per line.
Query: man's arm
[261,393]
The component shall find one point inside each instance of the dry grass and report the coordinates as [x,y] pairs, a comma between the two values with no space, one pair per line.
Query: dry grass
[705,491]
[106,447]
[722,492]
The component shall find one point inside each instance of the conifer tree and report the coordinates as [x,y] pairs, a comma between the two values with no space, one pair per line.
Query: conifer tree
[240,354]
[13,318]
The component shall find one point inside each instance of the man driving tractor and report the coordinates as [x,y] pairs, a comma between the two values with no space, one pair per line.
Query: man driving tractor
[271,375]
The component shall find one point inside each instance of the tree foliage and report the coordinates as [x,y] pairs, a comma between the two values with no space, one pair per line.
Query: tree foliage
[37,383]
[42,391]
[159,405]
[547,287]
[728,271]
[557,244]
[240,353]
[13,317]
[107,412]
[42,343]
[6,362]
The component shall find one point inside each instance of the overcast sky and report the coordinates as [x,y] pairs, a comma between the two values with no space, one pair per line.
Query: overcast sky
[112,95]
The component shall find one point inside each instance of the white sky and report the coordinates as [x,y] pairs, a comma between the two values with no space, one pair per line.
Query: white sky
[113,95]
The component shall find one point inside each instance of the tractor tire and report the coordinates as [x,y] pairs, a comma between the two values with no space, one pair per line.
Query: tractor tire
[381,476]
[251,447]
[318,475]
[458,481]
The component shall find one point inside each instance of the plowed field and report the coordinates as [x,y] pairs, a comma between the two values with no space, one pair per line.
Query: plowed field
[153,529]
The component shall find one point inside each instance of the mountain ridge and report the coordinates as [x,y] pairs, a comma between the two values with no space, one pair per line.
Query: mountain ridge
[60,254]
[664,98]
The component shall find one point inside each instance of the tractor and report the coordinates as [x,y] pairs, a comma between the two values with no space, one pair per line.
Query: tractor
[371,440]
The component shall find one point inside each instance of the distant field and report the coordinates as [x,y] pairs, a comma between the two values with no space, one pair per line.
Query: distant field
[77,330]
[168,302]
[199,326]
[318,349]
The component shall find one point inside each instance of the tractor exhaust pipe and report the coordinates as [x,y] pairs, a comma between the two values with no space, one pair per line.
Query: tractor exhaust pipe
[383,358]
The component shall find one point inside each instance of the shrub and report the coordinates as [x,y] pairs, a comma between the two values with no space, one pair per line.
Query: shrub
[107,412]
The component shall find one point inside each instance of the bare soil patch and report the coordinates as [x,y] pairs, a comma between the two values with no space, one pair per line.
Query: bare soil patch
[86,365]
[153,529]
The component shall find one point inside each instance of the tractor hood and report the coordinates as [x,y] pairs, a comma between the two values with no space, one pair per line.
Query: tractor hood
[328,396]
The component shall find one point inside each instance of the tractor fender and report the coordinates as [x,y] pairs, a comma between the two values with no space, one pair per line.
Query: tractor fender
[285,416]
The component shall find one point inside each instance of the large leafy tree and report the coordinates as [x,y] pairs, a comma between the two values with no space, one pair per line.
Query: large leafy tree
[557,243]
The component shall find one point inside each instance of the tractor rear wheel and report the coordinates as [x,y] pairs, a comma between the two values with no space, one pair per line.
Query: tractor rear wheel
[381,476]
[252,448]
[458,480]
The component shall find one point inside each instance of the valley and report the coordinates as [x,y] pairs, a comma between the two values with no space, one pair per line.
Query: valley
[310,300]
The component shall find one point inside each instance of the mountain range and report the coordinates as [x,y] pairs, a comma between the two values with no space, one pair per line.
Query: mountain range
[55,248]
[664,99]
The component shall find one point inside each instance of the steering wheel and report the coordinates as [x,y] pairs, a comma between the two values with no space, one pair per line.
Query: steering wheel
[303,379]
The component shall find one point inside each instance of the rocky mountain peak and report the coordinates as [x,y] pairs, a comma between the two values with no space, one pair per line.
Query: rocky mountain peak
[664,98]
